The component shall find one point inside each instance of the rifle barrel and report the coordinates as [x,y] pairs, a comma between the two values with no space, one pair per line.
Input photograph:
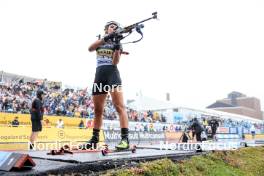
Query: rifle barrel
[130,27]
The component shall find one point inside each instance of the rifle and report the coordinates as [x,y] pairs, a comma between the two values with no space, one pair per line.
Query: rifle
[137,25]
[122,33]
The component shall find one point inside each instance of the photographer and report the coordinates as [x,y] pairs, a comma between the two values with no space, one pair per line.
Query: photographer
[197,129]
[214,125]
[185,137]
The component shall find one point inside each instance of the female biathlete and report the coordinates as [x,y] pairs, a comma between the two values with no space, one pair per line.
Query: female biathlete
[107,80]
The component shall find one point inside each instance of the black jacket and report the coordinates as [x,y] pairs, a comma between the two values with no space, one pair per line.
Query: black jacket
[37,109]
[15,123]
[196,126]
[214,124]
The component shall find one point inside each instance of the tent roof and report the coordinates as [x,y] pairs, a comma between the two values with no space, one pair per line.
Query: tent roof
[142,103]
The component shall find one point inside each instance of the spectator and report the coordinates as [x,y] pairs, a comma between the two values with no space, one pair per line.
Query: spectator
[205,123]
[146,127]
[89,124]
[81,124]
[15,122]
[253,131]
[60,124]
[47,123]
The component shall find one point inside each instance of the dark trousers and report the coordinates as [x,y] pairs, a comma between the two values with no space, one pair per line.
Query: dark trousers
[198,137]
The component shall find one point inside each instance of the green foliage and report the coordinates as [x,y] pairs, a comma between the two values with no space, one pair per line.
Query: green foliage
[242,162]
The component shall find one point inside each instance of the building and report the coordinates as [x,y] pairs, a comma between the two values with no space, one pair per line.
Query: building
[239,103]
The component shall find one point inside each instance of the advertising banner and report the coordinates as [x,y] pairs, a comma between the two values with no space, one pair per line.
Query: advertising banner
[233,130]
[115,136]
[21,134]
[134,136]
[222,130]
[24,119]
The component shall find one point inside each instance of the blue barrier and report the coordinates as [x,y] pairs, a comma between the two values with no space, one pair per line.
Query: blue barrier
[227,136]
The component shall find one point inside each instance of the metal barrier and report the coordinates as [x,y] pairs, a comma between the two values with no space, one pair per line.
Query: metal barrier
[136,137]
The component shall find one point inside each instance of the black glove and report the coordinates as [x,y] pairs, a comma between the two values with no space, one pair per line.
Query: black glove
[109,37]
[117,46]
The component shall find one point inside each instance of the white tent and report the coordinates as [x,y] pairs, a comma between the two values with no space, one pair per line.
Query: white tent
[142,103]
[220,114]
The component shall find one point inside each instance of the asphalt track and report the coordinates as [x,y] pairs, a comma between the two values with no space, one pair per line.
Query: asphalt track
[94,163]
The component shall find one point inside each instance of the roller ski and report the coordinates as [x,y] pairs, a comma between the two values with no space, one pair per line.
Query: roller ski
[123,146]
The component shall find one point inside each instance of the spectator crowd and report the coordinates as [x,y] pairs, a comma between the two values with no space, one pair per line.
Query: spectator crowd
[17,98]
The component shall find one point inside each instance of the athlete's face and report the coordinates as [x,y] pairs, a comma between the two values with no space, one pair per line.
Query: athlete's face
[111,28]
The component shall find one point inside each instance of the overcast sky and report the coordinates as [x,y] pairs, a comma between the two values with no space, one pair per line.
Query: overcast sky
[198,50]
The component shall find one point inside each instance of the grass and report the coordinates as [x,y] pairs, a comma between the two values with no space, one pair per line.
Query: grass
[242,162]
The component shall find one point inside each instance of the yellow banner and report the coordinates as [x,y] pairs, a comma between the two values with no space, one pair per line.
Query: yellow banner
[257,136]
[24,119]
[21,134]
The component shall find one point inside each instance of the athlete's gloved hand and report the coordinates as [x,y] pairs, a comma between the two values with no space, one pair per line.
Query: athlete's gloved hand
[117,46]
[109,37]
